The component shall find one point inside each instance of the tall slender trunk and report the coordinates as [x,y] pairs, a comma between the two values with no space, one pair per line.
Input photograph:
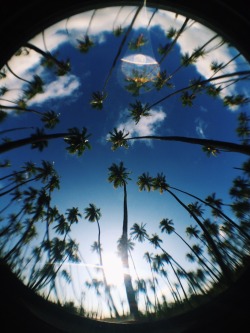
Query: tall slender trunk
[198,257]
[199,49]
[46,55]
[18,185]
[202,83]
[18,77]
[17,246]
[175,40]
[20,109]
[120,48]
[226,271]
[127,277]
[107,289]
[241,230]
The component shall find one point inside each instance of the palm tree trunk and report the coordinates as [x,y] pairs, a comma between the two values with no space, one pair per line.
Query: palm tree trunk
[18,244]
[17,186]
[107,289]
[226,271]
[46,55]
[203,83]
[18,108]
[26,141]
[227,146]
[121,46]
[175,297]
[175,40]
[217,210]
[200,48]
[18,77]
[198,257]
[177,276]
[15,129]
[127,277]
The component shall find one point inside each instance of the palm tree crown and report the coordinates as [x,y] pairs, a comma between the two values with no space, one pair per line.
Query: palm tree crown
[118,175]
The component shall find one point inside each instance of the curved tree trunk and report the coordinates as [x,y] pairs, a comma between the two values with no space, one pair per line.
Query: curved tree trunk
[226,271]
[46,55]
[26,141]
[199,258]
[203,83]
[227,146]
[241,230]
[120,48]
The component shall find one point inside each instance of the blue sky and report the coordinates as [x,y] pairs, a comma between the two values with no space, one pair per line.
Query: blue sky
[84,179]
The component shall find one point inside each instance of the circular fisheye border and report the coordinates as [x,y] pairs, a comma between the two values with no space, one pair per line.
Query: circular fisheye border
[28,312]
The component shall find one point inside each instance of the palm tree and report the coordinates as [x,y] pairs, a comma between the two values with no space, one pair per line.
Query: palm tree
[167,225]
[117,30]
[85,43]
[118,139]
[203,84]
[97,99]
[138,110]
[99,96]
[137,43]
[215,205]
[49,118]
[62,67]
[93,214]
[156,241]
[149,258]
[77,141]
[34,87]
[119,176]
[209,144]
[42,173]
[159,183]
[73,215]
[137,80]
[61,251]
[139,232]
[165,50]
[162,79]
[141,287]
[187,59]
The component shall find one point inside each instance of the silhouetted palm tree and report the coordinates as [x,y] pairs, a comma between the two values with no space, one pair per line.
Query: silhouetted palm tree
[99,96]
[119,137]
[159,183]
[172,33]
[49,118]
[93,214]
[77,141]
[34,87]
[63,67]
[119,176]
[42,173]
[139,232]
[166,225]
[149,258]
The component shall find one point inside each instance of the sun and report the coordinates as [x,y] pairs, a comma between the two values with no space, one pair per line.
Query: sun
[113,268]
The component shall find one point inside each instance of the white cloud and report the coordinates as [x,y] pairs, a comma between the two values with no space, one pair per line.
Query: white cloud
[107,19]
[64,86]
[53,38]
[146,126]
[200,127]
[193,37]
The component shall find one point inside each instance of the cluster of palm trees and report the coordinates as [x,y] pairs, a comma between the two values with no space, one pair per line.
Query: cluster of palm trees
[37,238]
[222,247]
